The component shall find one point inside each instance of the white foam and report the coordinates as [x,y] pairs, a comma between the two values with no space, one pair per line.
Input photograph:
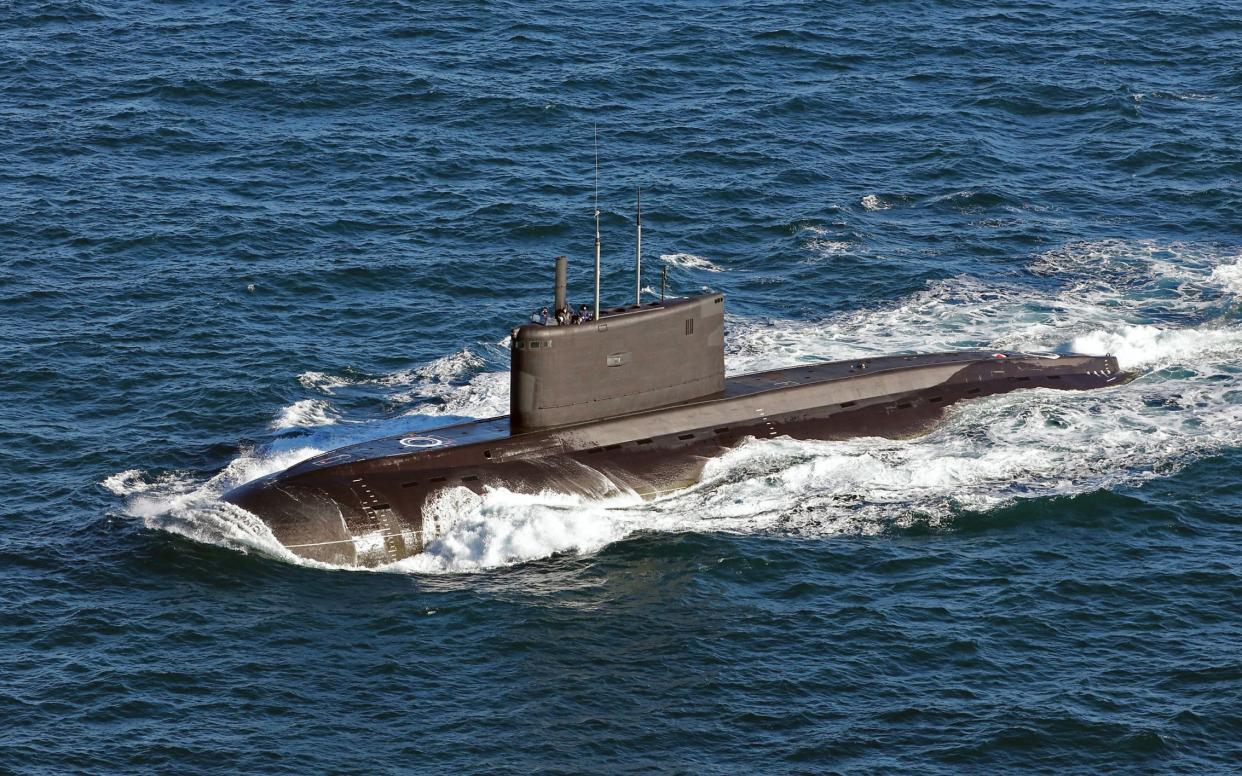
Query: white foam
[1153,347]
[987,453]
[455,385]
[322,382]
[1229,276]
[1180,96]
[501,528]
[825,242]
[485,395]
[873,202]
[1165,309]
[689,261]
[308,413]
[126,483]
[446,369]
[177,503]
[830,247]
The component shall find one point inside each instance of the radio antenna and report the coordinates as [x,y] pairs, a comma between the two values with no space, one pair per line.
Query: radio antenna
[597,222]
[638,253]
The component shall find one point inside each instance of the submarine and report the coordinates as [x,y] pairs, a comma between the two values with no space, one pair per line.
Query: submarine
[632,399]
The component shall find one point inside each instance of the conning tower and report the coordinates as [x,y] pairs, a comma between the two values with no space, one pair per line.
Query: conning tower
[621,360]
[632,358]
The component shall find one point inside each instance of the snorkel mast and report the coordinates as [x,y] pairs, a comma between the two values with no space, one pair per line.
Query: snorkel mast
[638,252]
[596,317]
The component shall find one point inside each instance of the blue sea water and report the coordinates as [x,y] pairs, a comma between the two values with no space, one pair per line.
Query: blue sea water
[233,234]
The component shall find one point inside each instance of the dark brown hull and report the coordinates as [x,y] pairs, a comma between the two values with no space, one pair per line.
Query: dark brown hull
[364,504]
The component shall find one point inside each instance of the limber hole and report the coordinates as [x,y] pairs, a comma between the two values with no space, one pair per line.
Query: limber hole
[685,436]
[612,447]
[409,484]
[935,399]
[973,390]
[724,430]
[470,478]
[848,403]
[439,479]
[904,406]
[643,442]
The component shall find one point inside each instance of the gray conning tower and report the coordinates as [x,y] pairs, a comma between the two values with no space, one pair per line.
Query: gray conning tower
[633,358]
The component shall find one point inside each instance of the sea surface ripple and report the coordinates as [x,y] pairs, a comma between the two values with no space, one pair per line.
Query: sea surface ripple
[233,234]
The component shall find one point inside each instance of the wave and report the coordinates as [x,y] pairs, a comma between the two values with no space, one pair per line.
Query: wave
[1169,310]
[826,242]
[307,413]
[179,504]
[323,382]
[1229,276]
[690,261]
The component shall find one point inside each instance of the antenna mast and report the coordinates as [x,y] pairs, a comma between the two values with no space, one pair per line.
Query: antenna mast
[597,222]
[638,253]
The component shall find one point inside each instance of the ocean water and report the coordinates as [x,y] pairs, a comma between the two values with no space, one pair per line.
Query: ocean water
[235,234]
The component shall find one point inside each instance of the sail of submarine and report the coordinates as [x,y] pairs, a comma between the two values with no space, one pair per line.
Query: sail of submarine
[635,400]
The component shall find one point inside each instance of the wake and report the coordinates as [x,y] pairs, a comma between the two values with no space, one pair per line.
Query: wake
[1168,311]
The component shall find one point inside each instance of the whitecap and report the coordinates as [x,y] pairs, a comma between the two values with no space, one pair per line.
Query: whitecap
[307,413]
[689,261]
[1229,276]
[322,382]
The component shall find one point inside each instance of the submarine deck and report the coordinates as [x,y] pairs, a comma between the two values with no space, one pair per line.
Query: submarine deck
[497,428]
[754,382]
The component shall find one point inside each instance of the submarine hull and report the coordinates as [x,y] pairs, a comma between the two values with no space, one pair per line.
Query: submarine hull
[381,501]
